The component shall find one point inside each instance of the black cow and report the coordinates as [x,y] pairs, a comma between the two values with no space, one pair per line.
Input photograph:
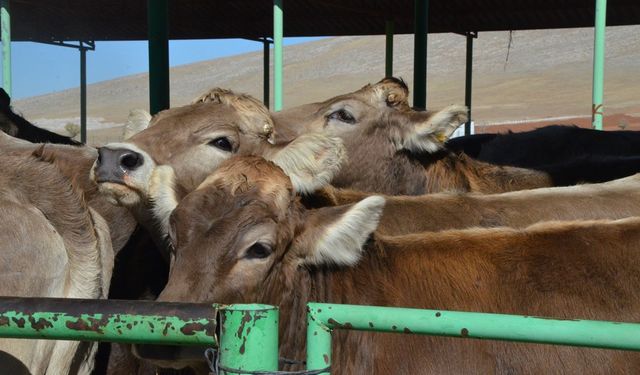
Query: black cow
[546,145]
[16,126]
[569,154]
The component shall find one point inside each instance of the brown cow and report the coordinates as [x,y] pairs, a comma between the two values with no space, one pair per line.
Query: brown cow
[244,236]
[53,244]
[194,140]
[615,199]
[394,150]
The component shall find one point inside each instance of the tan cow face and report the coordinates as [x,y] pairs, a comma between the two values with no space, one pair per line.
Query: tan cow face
[388,144]
[194,140]
[359,107]
[245,226]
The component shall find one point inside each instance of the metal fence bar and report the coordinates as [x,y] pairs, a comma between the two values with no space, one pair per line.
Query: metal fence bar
[388,48]
[587,333]
[278,35]
[598,64]
[158,34]
[421,18]
[248,338]
[5,25]
[142,322]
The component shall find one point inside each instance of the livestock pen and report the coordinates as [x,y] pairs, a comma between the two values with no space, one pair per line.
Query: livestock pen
[247,340]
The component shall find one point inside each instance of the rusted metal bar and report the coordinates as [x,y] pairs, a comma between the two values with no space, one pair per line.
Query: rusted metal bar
[142,322]
[248,338]
[324,318]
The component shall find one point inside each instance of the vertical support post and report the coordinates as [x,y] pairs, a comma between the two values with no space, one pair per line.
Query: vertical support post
[5,20]
[421,17]
[83,94]
[278,33]
[248,339]
[158,33]
[467,81]
[598,64]
[388,50]
[265,72]
[318,342]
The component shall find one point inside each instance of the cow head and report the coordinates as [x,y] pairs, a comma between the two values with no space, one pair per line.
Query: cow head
[194,140]
[244,229]
[389,154]
[388,143]
[352,109]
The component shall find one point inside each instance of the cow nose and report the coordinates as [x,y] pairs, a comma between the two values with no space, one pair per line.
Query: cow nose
[114,163]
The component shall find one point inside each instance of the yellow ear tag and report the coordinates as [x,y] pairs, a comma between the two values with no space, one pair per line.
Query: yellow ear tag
[441,137]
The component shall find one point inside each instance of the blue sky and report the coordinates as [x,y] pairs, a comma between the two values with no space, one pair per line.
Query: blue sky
[40,68]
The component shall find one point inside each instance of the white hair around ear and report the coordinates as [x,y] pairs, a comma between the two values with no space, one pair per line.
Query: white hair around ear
[311,161]
[342,241]
[137,121]
[430,135]
[162,196]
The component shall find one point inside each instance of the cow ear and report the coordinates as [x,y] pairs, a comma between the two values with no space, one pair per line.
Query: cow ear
[336,235]
[311,160]
[431,134]
[162,196]
[137,121]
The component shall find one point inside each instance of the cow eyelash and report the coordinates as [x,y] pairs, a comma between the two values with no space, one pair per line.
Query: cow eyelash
[342,115]
[258,251]
[223,143]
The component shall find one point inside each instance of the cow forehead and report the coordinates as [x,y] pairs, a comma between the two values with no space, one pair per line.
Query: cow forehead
[250,173]
[180,123]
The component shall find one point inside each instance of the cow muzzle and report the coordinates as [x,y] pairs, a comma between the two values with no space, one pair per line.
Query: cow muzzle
[114,164]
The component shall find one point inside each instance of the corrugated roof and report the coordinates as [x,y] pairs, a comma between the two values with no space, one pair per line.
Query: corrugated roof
[206,19]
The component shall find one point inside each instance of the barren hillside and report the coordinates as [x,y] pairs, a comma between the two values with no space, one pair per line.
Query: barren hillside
[548,74]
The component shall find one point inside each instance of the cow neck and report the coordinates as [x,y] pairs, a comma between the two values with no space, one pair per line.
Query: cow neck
[75,163]
[341,285]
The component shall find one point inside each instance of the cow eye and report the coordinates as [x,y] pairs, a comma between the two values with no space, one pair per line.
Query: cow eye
[342,115]
[221,143]
[258,251]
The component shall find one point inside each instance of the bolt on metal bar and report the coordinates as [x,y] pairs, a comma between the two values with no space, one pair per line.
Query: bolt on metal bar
[598,64]
[588,333]
[140,322]
[248,338]
[5,25]
[278,35]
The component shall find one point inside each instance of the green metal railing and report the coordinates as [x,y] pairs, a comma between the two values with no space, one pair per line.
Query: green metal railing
[598,64]
[323,318]
[278,35]
[248,334]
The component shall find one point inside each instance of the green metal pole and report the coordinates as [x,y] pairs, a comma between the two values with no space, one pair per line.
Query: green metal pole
[421,17]
[248,338]
[587,333]
[265,73]
[140,322]
[83,94]
[5,20]
[318,341]
[388,51]
[278,33]
[158,31]
[598,64]
[467,83]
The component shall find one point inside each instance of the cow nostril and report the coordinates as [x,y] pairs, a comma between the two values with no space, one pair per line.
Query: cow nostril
[131,160]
